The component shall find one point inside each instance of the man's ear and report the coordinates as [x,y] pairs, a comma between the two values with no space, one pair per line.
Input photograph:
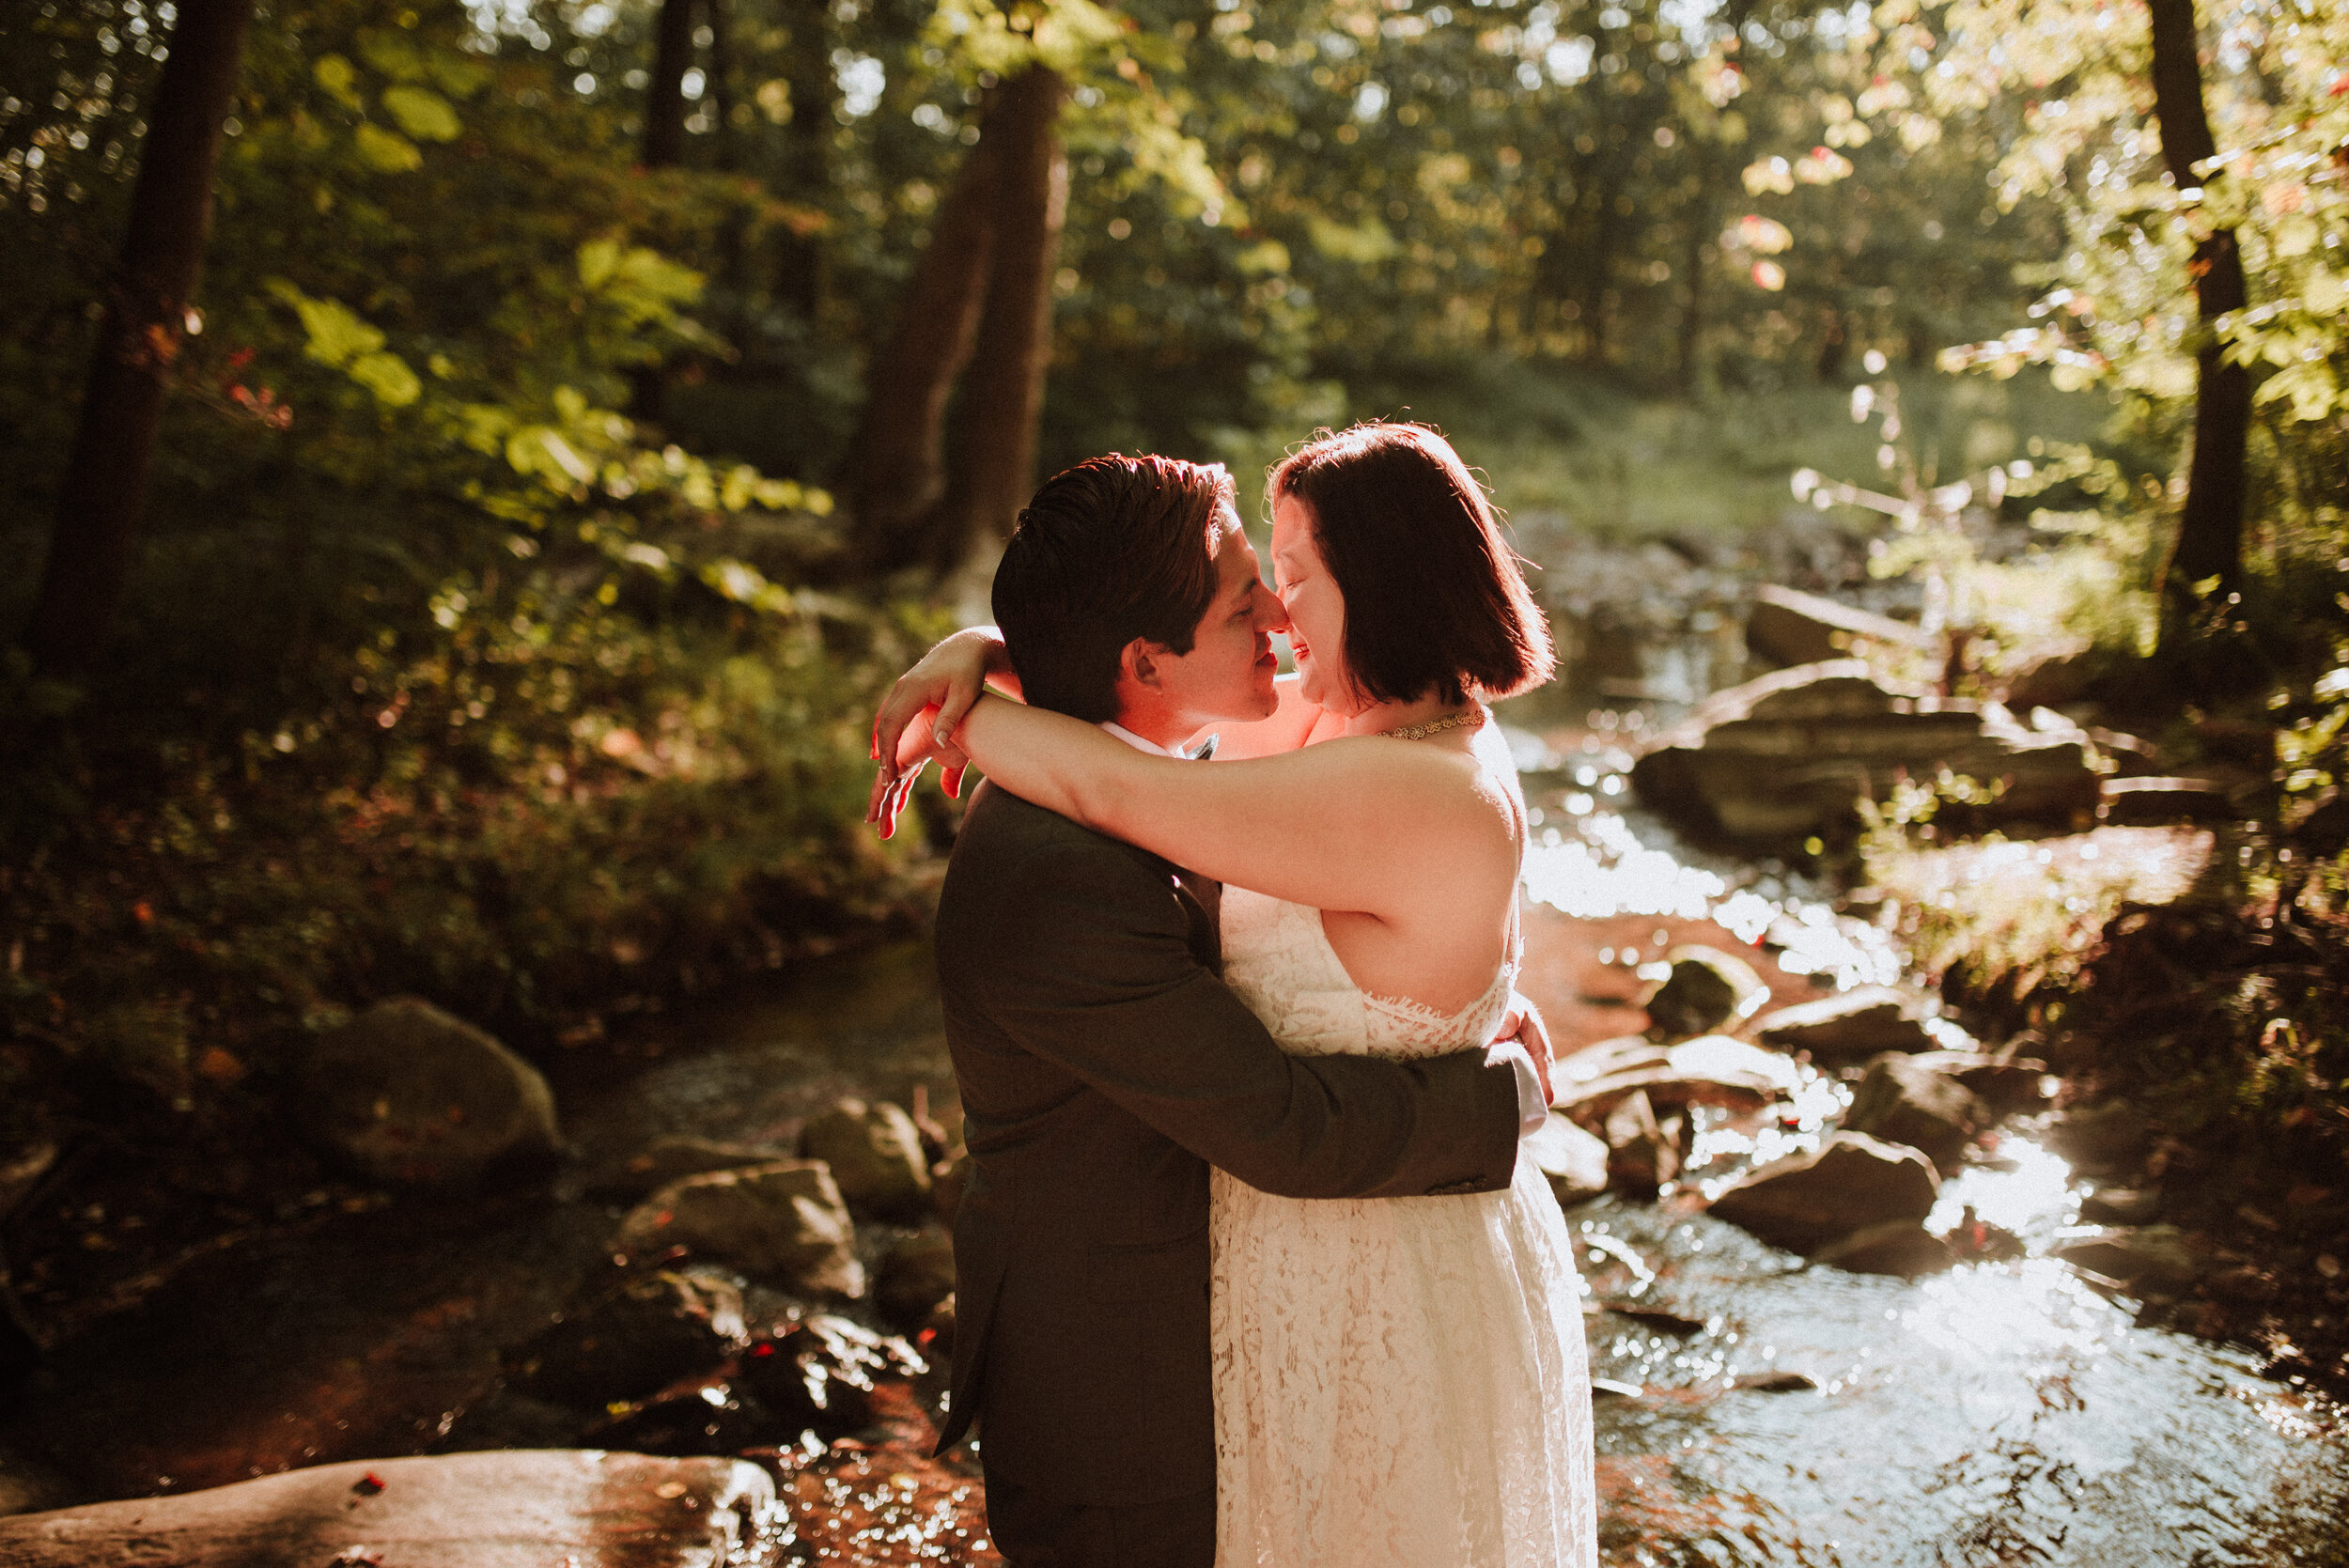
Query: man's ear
[1138,661]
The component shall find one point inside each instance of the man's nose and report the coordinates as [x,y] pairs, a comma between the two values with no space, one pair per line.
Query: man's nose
[1272,614]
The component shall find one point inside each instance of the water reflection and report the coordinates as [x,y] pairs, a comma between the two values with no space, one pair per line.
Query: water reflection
[1756,1409]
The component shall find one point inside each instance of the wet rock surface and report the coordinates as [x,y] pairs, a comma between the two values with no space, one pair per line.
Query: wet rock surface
[671,1159]
[1710,1070]
[783,1223]
[915,1275]
[823,1376]
[634,1340]
[1805,1202]
[406,1092]
[1790,754]
[1917,1101]
[1848,1027]
[875,1156]
[521,1508]
[1902,1246]
[2104,1139]
[1572,1160]
[1706,989]
[1642,1149]
[2152,1257]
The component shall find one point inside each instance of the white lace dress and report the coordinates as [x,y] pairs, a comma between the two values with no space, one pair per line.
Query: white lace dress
[1398,1381]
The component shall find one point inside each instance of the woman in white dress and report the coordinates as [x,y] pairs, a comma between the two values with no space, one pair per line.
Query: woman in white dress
[1397,1381]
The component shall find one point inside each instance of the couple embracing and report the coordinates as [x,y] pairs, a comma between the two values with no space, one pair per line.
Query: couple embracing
[1251,1270]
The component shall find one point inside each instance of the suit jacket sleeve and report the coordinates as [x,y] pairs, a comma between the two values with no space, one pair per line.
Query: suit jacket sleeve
[1090,966]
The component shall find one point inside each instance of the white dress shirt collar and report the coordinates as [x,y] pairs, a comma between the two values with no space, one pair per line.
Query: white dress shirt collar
[1139,744]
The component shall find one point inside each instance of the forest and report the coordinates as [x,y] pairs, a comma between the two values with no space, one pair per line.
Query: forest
[471,469]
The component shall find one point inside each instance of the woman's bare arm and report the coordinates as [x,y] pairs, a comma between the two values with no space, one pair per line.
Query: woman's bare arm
[1364,826]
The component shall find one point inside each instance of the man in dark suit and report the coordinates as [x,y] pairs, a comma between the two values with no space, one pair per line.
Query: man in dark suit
[1103,1066]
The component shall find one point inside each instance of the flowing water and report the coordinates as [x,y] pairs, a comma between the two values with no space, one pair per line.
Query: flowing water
[1750,1410]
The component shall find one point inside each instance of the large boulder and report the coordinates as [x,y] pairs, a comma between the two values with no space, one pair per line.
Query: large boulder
[875,1155]
[1805,1202]
[1706,989]
[1573,1161]
[1850,1026]
[1793,754]
[634,1341]
[501,1509]
[1907,1099]
[782,1224]
[405,1092]
[1787,626]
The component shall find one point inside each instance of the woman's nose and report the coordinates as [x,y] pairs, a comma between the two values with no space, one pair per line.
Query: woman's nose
[1272,614]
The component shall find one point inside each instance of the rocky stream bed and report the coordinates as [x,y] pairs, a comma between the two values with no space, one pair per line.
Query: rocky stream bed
[1865,1285]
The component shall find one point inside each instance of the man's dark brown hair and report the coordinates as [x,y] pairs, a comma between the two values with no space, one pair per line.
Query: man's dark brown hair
[1434,599]
[1114,548]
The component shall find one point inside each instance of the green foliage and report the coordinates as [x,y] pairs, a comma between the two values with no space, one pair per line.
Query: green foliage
[440,674]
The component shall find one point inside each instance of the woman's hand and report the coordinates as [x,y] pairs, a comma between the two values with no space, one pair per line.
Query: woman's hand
[935,695]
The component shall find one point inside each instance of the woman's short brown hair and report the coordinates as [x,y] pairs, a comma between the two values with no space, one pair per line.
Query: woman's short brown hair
[1114,548]
[1434,597]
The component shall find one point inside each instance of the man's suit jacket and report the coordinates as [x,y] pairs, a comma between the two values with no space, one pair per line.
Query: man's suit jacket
[1103,1067]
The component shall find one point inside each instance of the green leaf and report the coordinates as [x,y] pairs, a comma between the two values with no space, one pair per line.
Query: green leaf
[339,78]
[597,260]
[1367,242]
[423,114]
[1267,256]
[394,56]
[461,76]
[380,149]
[337,336]
[388,376]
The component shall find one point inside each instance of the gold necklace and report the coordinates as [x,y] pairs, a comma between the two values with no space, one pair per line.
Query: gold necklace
[1469,719]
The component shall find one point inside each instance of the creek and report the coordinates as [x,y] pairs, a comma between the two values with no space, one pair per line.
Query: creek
[1750,1410]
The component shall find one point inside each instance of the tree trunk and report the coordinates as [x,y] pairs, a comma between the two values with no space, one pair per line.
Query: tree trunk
[664,94]
[107,471]
[721,89]
[1834,345]
[2210,528]
[994,471]
[896,465]
[805,175]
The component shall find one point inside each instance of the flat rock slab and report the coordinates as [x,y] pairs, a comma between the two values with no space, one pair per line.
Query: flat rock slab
[1849,1027]
[506,1509]
[1712,1069]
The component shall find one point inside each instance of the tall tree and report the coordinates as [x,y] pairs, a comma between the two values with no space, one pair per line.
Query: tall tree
[140,334]
[980,310]
[2210,527]
[897,462]
[663,142]
[994,468]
